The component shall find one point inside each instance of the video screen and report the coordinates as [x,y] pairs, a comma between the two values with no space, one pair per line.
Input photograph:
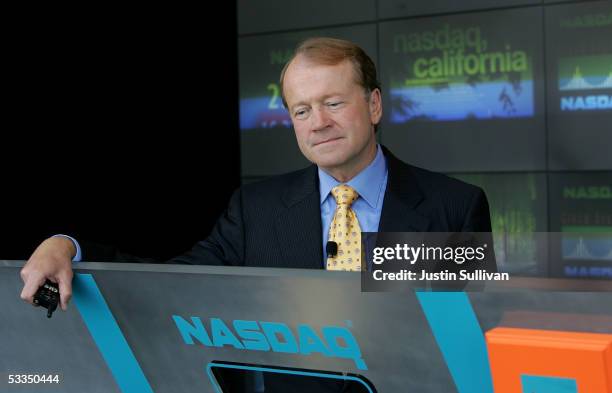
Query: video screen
[579,70]
[456,73]
[517,204]
[458,69]
[581,210]
[464,92]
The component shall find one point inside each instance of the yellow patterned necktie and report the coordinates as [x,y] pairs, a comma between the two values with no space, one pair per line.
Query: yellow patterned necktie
[345,231]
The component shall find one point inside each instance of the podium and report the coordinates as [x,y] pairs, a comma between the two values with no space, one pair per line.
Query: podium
[170,328]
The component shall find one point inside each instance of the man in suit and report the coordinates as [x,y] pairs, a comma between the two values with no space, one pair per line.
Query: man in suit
[331,91]
[333,96]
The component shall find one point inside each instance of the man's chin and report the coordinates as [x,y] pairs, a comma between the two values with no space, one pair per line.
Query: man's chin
[327,161]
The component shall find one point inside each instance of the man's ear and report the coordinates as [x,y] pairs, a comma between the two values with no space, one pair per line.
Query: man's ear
[375,105]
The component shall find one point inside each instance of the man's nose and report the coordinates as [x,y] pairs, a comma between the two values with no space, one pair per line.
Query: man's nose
[320,119]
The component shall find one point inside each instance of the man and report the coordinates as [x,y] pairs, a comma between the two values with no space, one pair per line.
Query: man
[331,91]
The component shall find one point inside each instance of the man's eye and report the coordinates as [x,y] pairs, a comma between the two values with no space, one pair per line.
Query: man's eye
[300,112]
[334,104]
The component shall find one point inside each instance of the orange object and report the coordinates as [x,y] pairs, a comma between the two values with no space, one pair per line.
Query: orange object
[584,357]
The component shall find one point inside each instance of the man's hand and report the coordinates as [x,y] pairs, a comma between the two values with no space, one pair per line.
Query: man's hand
[53,260]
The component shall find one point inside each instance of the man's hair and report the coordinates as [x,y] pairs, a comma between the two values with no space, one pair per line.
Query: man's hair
[332,51]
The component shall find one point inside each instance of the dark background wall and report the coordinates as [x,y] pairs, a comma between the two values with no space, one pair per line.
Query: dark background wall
[118,117]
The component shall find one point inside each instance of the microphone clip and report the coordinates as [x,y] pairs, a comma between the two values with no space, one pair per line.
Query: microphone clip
[331,248]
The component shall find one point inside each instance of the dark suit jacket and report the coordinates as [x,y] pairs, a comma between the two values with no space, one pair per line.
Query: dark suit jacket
[277,222]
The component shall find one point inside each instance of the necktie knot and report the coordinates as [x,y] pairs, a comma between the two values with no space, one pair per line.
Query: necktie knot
[345,195]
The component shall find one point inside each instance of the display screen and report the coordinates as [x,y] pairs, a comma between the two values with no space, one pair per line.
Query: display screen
[581,210]
[585,60]
[465,92]
[579,75]
[585,74]
[517,205]
[458,68]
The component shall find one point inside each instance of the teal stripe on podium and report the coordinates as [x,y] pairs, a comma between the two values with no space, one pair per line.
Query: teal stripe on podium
[459,336]
[107,335]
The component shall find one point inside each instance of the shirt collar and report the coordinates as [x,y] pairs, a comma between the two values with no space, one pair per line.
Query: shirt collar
[367,183]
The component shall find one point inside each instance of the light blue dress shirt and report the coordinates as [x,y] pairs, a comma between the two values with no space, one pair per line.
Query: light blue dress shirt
[78,256]
[370,184]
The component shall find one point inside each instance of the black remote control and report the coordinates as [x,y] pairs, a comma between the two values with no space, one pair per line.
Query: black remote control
[47,296]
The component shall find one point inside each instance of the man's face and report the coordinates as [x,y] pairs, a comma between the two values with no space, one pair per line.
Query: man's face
[332,117]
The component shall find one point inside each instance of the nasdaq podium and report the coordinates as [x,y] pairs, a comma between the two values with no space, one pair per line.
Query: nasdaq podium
[169,328]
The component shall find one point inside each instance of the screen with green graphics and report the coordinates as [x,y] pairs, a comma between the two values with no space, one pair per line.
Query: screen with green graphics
[465,92]
[459,68]
[581,209]
[585,83]
[517,204]
[579,75]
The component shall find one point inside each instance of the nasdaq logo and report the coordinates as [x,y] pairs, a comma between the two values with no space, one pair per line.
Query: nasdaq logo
[591,192]
[588,271]
[586,103]
[588,21]
[334,341]
[585,82]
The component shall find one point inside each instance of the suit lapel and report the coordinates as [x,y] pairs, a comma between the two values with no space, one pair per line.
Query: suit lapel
[402,197]
[298,224]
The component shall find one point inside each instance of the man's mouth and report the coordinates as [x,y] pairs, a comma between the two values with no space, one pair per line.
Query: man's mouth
[326,141]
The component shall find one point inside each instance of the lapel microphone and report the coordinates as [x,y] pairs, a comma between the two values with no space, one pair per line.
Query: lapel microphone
[331,248]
